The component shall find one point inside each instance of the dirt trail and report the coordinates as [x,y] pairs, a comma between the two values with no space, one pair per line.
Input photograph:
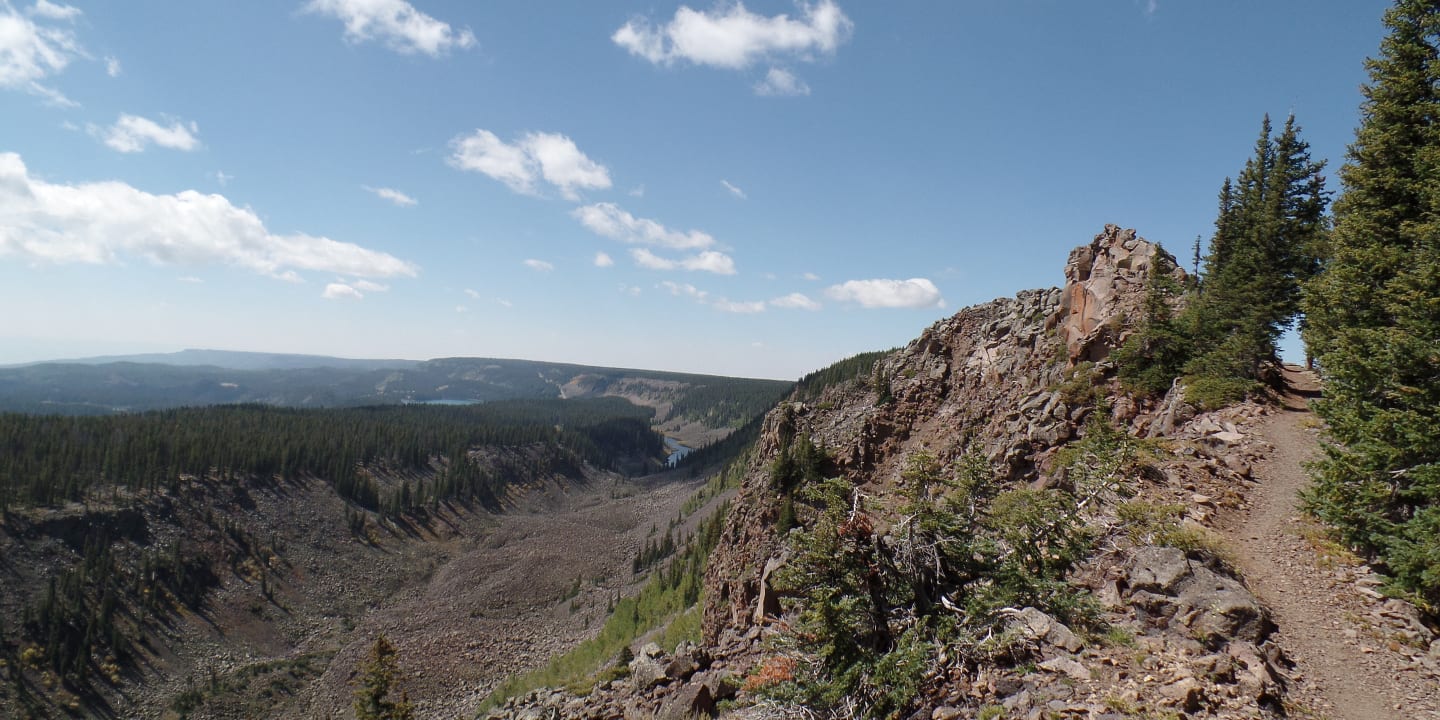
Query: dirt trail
[1349,665]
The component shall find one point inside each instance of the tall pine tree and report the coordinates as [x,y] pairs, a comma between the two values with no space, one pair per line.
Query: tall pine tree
[1270,224]
[1374,314]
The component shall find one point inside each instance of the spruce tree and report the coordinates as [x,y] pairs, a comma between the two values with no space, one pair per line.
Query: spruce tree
[378,676]
[1270,222]
[1374,314]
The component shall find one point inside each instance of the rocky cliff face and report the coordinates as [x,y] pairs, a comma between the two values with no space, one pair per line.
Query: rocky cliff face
[1012,381]
[985,380]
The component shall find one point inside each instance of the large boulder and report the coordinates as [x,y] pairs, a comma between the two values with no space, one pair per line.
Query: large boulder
[1164,582]
[692,700]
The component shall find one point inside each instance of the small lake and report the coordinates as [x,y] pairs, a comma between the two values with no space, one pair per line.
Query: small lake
[676,450]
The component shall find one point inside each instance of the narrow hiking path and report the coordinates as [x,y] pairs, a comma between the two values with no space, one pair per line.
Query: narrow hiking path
[1353,660]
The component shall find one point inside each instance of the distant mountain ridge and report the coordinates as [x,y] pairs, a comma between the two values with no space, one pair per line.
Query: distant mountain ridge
[232,359]
[136,383]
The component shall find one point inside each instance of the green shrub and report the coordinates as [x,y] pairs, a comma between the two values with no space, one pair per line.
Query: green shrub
[875,611]
[1210,392]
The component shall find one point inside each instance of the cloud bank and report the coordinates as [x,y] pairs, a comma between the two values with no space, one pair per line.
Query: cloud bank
[104,222]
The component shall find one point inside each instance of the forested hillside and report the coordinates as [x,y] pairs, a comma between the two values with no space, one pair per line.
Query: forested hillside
[76,388]
[52,459]
[116,528]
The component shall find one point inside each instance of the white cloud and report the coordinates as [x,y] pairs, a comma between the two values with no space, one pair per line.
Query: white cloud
[609,220]
[482,152]
[744,308]
[812,277]
[395,23]
[30,52]
[54,11]
[563,165]
[132,133]
[631,290]
[341,291]
[502,302]
[549,156]
[394,196]
[369,286]
[103,222]
[685,290]
[112,66]
[539,265]
[732,37]
[795,301]
[637,192]
[737,192]
[603,260]
[474,295]
[912,293]
[461,309]
[707,261]
[719,303]
[222,178]
[710,261]
[191,279]
[779,82]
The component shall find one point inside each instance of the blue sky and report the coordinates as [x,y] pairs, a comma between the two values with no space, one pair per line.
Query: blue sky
[755,189]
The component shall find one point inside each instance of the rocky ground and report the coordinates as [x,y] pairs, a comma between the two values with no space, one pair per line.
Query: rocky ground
[1248,615]
[1357,654]
[467,596]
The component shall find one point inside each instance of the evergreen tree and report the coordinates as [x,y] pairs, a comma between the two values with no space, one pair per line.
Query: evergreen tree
[1270,224]
[1374,314]
[378,676]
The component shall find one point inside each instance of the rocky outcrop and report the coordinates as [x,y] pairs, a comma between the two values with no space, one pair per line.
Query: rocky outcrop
[1012,381]
[984,380]
[1103,292]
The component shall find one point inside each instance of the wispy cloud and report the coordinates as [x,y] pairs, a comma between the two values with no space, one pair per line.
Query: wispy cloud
[707,261]
[54,11]
[609,220]
[112,66]
[351,289]
[132,134]
[780,82]
[882,293]
[539,265]
[392,195]
[704,298]
[737,192]
[32,52]
[795,301]
[396,24]
[222,178]
[536,156]
[603,260]
[473,295]
[341,291]
[103,222]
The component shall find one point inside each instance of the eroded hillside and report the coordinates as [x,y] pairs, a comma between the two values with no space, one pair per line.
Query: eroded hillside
[986,524]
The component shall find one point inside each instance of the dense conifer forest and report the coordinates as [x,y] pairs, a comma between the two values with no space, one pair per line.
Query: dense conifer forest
[46,460]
